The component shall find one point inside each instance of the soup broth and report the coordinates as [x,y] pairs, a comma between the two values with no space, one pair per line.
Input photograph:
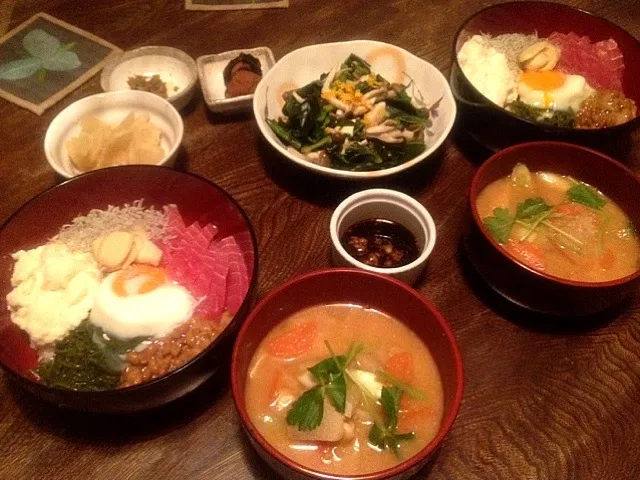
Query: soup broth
[385,359]
[560,226]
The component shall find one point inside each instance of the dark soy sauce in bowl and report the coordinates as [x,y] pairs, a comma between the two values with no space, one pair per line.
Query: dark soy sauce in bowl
[380,243]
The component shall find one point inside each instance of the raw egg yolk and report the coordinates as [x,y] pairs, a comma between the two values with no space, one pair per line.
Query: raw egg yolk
[544,81]
[138,279]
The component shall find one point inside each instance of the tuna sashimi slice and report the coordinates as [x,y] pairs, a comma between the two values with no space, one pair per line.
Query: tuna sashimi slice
[217,272]
[601,63]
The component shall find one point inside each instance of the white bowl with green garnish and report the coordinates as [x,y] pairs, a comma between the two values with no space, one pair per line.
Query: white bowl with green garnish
[359,109]
[559,236]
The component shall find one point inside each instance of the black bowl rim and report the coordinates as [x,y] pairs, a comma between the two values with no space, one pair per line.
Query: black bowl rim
[633,123]
[77,394]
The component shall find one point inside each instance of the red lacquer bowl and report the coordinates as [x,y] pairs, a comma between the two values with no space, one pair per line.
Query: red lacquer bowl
[531,288]
[363,288]
[40,218]
[495,126]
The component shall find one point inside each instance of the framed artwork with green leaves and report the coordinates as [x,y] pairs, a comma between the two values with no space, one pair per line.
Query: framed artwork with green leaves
[44,59]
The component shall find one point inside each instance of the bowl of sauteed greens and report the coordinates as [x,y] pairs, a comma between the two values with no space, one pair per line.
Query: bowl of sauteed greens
[358,109]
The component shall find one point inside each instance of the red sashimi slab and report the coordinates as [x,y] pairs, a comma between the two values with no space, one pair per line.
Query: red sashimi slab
[215,271]
[601,63]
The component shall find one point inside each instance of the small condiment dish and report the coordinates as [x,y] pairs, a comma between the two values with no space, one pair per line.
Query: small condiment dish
[380,203]
[112,108]
[210,71]
[174,67]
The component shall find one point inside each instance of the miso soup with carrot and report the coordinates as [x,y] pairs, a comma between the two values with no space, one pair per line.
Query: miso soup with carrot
[344,389]
[559,225]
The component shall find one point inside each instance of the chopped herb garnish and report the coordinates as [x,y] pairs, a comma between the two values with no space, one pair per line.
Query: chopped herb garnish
[408,389]
[307,411]
[531,208]
[385,436]
[586,195]
[499,225]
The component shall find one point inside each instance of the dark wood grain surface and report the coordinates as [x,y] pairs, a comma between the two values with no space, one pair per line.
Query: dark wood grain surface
[543,400]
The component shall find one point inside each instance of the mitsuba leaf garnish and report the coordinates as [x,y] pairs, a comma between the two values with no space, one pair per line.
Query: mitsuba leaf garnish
[586,195]
[531,208]
[307,411]
[499,225]
[384,436]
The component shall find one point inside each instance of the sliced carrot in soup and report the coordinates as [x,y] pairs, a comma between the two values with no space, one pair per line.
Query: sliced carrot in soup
[400,366]
[293,343]
[607,259]
[527,253]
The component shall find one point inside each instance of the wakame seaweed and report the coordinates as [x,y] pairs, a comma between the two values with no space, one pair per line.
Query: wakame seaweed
[312,124]
[80,363]
[556,118]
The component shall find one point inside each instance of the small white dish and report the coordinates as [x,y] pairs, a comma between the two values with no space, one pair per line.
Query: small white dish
[174,67]
[302,66]
[111,107]
[390,205]
[210,71]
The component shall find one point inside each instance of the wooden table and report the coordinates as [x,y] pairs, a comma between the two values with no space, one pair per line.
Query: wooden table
[543,400]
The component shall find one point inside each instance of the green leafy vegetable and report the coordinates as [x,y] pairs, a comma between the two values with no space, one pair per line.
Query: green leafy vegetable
[586,195]
[384,436]
[309,122]
[545,116]
[353,68]
[499,225]
[79,363]
[531,208]
[307,411]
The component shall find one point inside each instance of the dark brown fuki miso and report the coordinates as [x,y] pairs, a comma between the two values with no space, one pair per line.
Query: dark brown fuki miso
[378,242]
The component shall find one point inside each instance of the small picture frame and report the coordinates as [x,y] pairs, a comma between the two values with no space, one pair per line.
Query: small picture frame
[44,59]
[234,4]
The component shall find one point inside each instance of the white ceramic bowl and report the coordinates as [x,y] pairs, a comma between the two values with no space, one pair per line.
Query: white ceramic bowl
[211,69]
[390,205]
[306,64]
[111,107]
[175,68]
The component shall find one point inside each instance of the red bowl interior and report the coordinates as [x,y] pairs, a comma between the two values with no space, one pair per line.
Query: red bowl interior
[41,218]
[364,288]
[604,173]
[547,17]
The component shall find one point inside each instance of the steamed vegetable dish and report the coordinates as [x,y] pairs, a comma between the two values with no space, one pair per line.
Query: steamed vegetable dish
[353,119]
[124,295]
[562,80]
[339,401]
[559,225]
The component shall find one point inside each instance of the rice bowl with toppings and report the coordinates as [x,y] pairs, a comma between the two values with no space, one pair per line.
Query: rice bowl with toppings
[105,294]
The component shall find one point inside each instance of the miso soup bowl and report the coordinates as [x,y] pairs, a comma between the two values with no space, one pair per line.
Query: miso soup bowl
[346,285]
[494,126]
[526,286]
